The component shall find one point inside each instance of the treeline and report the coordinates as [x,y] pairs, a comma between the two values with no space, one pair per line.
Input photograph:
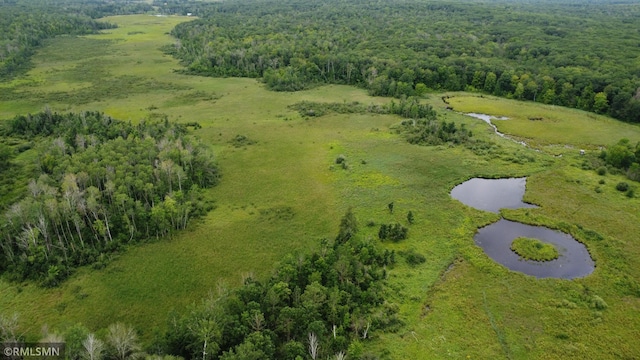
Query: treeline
[572,54]
[182,7]
[406,107]
[25,25]
[323,305]
[101,183]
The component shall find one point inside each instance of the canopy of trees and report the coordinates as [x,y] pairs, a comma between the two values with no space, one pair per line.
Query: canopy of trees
[624,157]
[575,54]
[101,183]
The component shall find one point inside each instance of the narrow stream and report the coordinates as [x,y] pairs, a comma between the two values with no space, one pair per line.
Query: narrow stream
[488,118]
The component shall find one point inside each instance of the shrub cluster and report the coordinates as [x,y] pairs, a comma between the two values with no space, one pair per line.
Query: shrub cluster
[394,232]
[624,157]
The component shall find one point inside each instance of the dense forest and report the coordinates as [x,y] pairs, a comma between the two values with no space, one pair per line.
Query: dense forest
[567,53]
[100,183]
[25,25]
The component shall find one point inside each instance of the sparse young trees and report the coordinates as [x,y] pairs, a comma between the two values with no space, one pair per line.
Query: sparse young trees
[394,232]
[410,218]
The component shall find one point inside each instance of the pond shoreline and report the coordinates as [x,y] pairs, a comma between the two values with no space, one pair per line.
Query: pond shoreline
[495,239]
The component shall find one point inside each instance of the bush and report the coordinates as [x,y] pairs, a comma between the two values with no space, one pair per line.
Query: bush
[241,141]
[602,170]
[340,159]
[622,186]
[5,156]
[598,303]
[630,193]
[395,232]
[634,172]
[601,182]
[413,258]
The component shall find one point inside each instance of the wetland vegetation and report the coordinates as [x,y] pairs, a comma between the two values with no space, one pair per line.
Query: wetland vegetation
[371,144]
[534,249]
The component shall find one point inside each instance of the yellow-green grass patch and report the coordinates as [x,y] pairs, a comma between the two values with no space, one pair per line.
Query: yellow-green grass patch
[541,125]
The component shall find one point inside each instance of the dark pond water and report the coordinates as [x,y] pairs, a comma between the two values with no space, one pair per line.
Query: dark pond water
[492,194]
[574,260]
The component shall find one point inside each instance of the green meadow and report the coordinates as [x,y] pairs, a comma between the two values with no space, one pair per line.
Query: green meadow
[282,192]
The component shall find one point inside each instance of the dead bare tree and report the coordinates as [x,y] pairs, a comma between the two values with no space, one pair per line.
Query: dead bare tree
[9,328]
[313,345]
[93,347]
[123,340]
[366,330]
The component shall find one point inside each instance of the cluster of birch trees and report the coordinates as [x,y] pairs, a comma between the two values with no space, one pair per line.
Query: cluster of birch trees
[100,183]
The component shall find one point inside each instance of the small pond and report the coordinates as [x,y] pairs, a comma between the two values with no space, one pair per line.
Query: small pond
[492,194]
[574,260]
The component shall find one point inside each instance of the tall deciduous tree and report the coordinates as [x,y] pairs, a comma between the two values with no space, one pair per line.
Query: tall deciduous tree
[122,341]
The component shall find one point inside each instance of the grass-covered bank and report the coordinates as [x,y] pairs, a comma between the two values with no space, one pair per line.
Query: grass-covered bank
[282,191]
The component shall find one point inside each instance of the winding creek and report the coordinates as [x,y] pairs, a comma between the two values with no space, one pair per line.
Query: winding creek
[488,118]
[495,239]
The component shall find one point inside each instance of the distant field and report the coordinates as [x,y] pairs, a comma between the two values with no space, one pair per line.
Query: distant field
[459,304]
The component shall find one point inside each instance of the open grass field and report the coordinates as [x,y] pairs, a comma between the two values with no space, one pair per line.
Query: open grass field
[283,193]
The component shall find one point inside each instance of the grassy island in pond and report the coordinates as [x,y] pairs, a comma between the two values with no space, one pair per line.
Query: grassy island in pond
[534,249]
